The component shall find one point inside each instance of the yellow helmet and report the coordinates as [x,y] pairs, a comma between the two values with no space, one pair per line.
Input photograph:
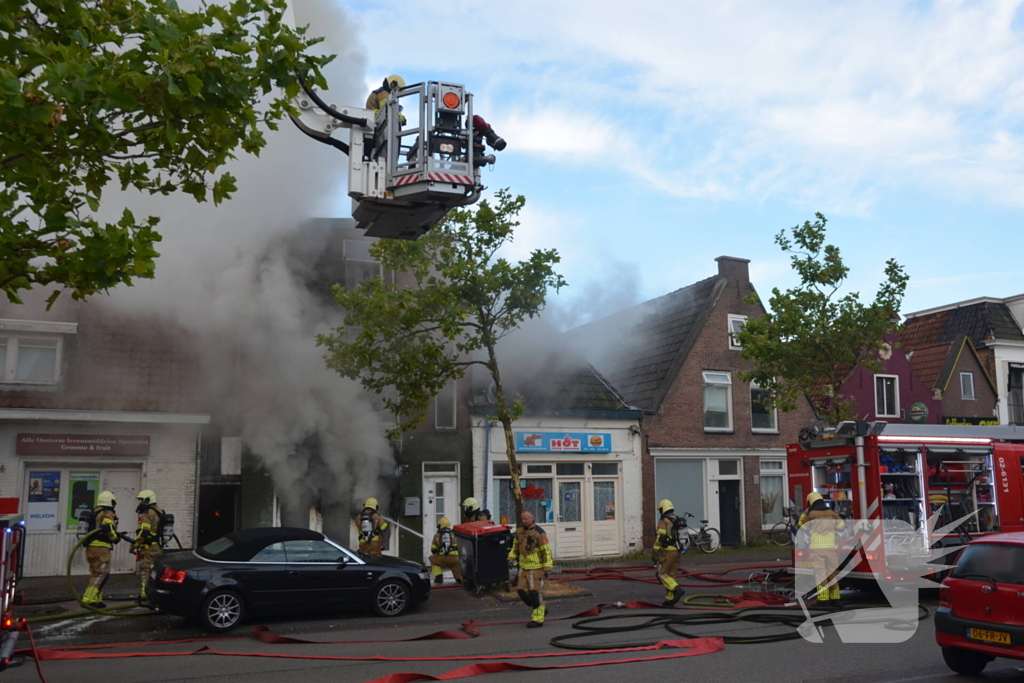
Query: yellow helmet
[665,506]
[812,498]
[147,497]
[444,523]
[394,82]
[371,503]
[471,503]
[106,500]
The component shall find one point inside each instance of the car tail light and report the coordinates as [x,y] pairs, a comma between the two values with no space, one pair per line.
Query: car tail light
[7,622]
[944,599]
[169,575]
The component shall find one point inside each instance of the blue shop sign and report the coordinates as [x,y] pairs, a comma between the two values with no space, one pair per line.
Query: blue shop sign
[563,442]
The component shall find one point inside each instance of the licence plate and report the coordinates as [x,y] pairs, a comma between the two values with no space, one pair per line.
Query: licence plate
[998,637]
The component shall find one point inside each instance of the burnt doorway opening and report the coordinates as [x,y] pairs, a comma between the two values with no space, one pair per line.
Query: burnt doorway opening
[218,512]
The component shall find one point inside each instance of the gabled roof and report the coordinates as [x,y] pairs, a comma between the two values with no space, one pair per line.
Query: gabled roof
[934,365]
[982,322]
[648,343]
[115,362]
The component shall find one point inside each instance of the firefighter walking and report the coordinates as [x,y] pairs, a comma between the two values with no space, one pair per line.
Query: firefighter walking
[97,552]
[148,542]
[822,524]
[371,528]
[531,551]
[666,553]
[446,552]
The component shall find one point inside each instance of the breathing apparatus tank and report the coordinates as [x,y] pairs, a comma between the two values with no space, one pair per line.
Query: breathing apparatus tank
[86,523]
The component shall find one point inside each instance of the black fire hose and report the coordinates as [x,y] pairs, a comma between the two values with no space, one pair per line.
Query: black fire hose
[344,118]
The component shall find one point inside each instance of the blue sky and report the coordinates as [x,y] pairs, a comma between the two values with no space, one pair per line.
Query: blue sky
[648,142]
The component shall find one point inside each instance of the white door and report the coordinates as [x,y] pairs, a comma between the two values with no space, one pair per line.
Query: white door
[44,508]
[569,525]
[124,484]
[440,499]
[604,509]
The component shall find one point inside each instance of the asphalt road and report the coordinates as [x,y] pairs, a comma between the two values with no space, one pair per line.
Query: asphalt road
[917,659]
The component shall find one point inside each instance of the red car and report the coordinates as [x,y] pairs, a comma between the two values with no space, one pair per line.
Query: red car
[981,604]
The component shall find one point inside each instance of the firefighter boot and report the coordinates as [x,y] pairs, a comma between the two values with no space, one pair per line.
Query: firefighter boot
[677,594]
[438,573]
[673,592]
[537,617]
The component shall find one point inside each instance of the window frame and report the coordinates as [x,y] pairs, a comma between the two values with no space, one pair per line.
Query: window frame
[454,386]
[970,376]
[896,396]
[781,473]
[734,317]
[12,341]
[705,383]
[774,413]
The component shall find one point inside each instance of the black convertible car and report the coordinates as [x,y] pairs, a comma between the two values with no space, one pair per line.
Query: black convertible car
[280,571]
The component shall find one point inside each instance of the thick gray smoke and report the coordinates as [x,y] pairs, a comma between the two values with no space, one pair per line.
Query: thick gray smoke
[230,276]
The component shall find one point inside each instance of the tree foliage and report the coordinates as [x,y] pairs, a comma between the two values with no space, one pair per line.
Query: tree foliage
[453,299]
[133,91]
[814,337]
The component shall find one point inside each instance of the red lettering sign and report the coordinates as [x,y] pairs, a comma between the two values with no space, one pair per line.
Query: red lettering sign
[81,444]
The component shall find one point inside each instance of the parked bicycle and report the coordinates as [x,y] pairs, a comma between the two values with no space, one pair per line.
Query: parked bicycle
[706,538]
[784,532]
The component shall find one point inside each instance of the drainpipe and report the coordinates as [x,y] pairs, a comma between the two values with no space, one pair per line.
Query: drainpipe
[195,504]
[487,462]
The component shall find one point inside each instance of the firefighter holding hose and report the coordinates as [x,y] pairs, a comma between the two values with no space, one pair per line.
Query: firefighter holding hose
[822,524]
[148,541]
[97,552]
[531,550]
[446,552]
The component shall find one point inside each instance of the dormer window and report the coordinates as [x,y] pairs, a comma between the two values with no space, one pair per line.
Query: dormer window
[30,352]
[736,323]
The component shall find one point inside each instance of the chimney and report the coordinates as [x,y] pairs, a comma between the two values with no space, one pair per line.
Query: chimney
[733,269]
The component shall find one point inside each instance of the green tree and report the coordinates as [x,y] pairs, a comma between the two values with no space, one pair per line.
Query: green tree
[133,91]
[813,336]
[453,300]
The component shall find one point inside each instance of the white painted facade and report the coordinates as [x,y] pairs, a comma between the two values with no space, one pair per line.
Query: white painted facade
[595,534]
[170,469]
[1007,354]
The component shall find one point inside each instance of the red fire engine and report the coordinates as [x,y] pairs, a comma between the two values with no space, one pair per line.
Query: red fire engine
[897,476]
[12,556]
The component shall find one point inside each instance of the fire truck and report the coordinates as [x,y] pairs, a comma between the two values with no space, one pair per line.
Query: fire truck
[12,558]
[900,484]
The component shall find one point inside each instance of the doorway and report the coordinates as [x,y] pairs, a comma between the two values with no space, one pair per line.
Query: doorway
[440,498]
[729,511]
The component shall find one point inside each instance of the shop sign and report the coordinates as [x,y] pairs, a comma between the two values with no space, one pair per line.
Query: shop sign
[81,444]
[43,500]
[563,442]
[917,412]
[984,421]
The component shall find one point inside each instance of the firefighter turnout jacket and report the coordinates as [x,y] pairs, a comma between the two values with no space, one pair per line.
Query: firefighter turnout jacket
[822,523]
[530,547]
[149,527]
[106,523]
[668,533]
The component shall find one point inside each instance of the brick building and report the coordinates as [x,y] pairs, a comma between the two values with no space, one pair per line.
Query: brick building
[710,445]
[89,402]
[958,380]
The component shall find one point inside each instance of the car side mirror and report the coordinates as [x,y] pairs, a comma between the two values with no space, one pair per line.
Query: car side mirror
[342,562]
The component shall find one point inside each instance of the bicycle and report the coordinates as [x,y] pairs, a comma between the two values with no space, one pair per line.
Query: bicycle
[708,539]
[784,532]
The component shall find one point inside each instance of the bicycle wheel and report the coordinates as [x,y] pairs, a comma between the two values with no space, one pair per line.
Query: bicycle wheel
[780,534]
[709,540]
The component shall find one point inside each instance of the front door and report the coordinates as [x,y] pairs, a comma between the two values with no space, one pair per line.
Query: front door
[569,529]
[605,530]
[124,484]
[440,499]
[729,511]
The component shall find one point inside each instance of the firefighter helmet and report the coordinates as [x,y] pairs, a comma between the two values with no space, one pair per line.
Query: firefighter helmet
[106,500]
[371,503]
[147,497]
[812,498]
[444,523]
[471,503]
[666,506]
[394,82]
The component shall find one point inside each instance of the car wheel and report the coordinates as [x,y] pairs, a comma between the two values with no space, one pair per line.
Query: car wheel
[390,599]
[965,662]
[222,611]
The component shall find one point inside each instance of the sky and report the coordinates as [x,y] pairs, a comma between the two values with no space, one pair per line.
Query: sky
[649,139]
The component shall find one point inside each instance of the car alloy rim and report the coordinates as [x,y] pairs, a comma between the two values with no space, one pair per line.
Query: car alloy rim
[224,610]
[391,599]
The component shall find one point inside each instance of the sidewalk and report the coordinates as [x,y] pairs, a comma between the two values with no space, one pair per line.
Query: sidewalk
[741,555]
[52,589]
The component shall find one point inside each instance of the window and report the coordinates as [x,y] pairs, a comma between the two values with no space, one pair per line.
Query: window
[312,551]
[537,498]
[762,417]
[359,265]
[1015,404]
[967,386]
[538,469]
[604,501]
[717,402]
[604,468]
[773,492]
[1001,563]
[735,325]
[570,469]
[887,396]
[272,553]
[448,467]
[444,408]
[728,468]
[30,360]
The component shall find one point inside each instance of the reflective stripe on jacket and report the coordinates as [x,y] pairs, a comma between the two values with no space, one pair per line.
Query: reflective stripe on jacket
[822,524]
[106,522]
[530,547]
[149,525]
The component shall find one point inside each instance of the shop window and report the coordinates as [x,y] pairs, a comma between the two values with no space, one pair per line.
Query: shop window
[503,469]
[537,498]
[538,469]
[604,501]
[736,323]
[967,386]
[444,407]
[887,396]
[570,469]
[773,492]
[29,360]
[604,468]
[717,402]
[763,418]
[570,502]
[682,482]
